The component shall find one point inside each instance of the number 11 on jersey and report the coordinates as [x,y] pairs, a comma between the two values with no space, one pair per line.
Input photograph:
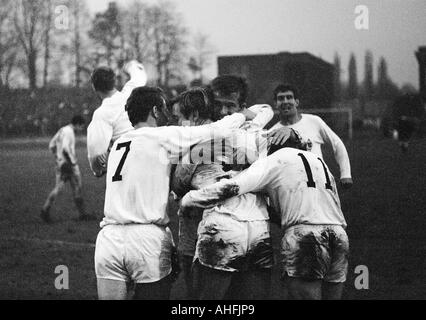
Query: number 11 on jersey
[311,182]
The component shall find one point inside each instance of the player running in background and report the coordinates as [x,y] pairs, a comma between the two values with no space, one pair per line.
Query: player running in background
[135,244]
[110,120]
[408,111]
[315,245]
[310,127]
[63,147]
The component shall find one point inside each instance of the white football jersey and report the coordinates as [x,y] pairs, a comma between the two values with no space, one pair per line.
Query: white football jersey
[298,183]
[318,132]
[139,168]
[63,144]
[110,121]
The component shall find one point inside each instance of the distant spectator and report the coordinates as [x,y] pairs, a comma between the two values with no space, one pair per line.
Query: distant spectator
[408,111]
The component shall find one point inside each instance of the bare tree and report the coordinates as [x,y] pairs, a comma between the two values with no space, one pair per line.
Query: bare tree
[203,54]
[79,47]
[168,38]
[337,77]
[30,27]
[77,42]
[136,29]
[386,89]
[8,43]
[352,91]
[107,34]
[368,77]
[47,39]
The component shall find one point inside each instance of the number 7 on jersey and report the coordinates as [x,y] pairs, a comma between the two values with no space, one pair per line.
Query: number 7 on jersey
[117,176]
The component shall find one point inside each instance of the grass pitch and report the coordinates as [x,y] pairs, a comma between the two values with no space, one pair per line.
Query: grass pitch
[386,214]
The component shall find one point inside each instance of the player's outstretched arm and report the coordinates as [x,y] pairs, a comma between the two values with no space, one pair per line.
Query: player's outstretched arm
[254,179]
[180,139]
[211,196]
[263,114]
[340,154]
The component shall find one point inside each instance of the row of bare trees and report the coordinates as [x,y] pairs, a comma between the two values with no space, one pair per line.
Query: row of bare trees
[59,42]
[383,88]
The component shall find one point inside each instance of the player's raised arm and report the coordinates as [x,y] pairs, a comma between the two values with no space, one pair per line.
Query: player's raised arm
[99,135]
[137,74]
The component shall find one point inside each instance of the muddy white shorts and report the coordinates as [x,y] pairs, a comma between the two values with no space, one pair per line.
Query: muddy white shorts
[227,244]
[134,253]
[316,253]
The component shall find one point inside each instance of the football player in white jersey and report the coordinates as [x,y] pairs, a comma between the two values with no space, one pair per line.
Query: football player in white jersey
[310,127]
[243,223]
[315,245]
[62,146]
[135,244]
[192,108]
[110,121]
[231,93]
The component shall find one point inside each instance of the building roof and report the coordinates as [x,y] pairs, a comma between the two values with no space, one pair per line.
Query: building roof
[301,56]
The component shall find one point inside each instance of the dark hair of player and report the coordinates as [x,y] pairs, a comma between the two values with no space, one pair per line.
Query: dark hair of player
[286,88]
[78,121]
[142,101]
[103,79]
[197,100]
[228,84]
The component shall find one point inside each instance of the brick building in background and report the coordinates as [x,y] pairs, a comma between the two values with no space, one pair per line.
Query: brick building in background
[312,75]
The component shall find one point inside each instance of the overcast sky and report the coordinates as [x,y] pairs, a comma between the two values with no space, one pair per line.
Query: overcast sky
[322,27]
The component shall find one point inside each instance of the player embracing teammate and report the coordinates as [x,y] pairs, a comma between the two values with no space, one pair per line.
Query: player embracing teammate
[229,253]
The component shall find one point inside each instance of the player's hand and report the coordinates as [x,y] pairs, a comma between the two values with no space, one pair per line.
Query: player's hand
[280,136]
[250,115]
[228,191]
[99,174]
[346,183]
[135,69]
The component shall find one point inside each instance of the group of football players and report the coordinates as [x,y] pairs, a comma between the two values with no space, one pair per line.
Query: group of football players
[232,170]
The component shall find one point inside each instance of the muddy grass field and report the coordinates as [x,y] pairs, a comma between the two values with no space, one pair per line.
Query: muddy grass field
[386,214]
